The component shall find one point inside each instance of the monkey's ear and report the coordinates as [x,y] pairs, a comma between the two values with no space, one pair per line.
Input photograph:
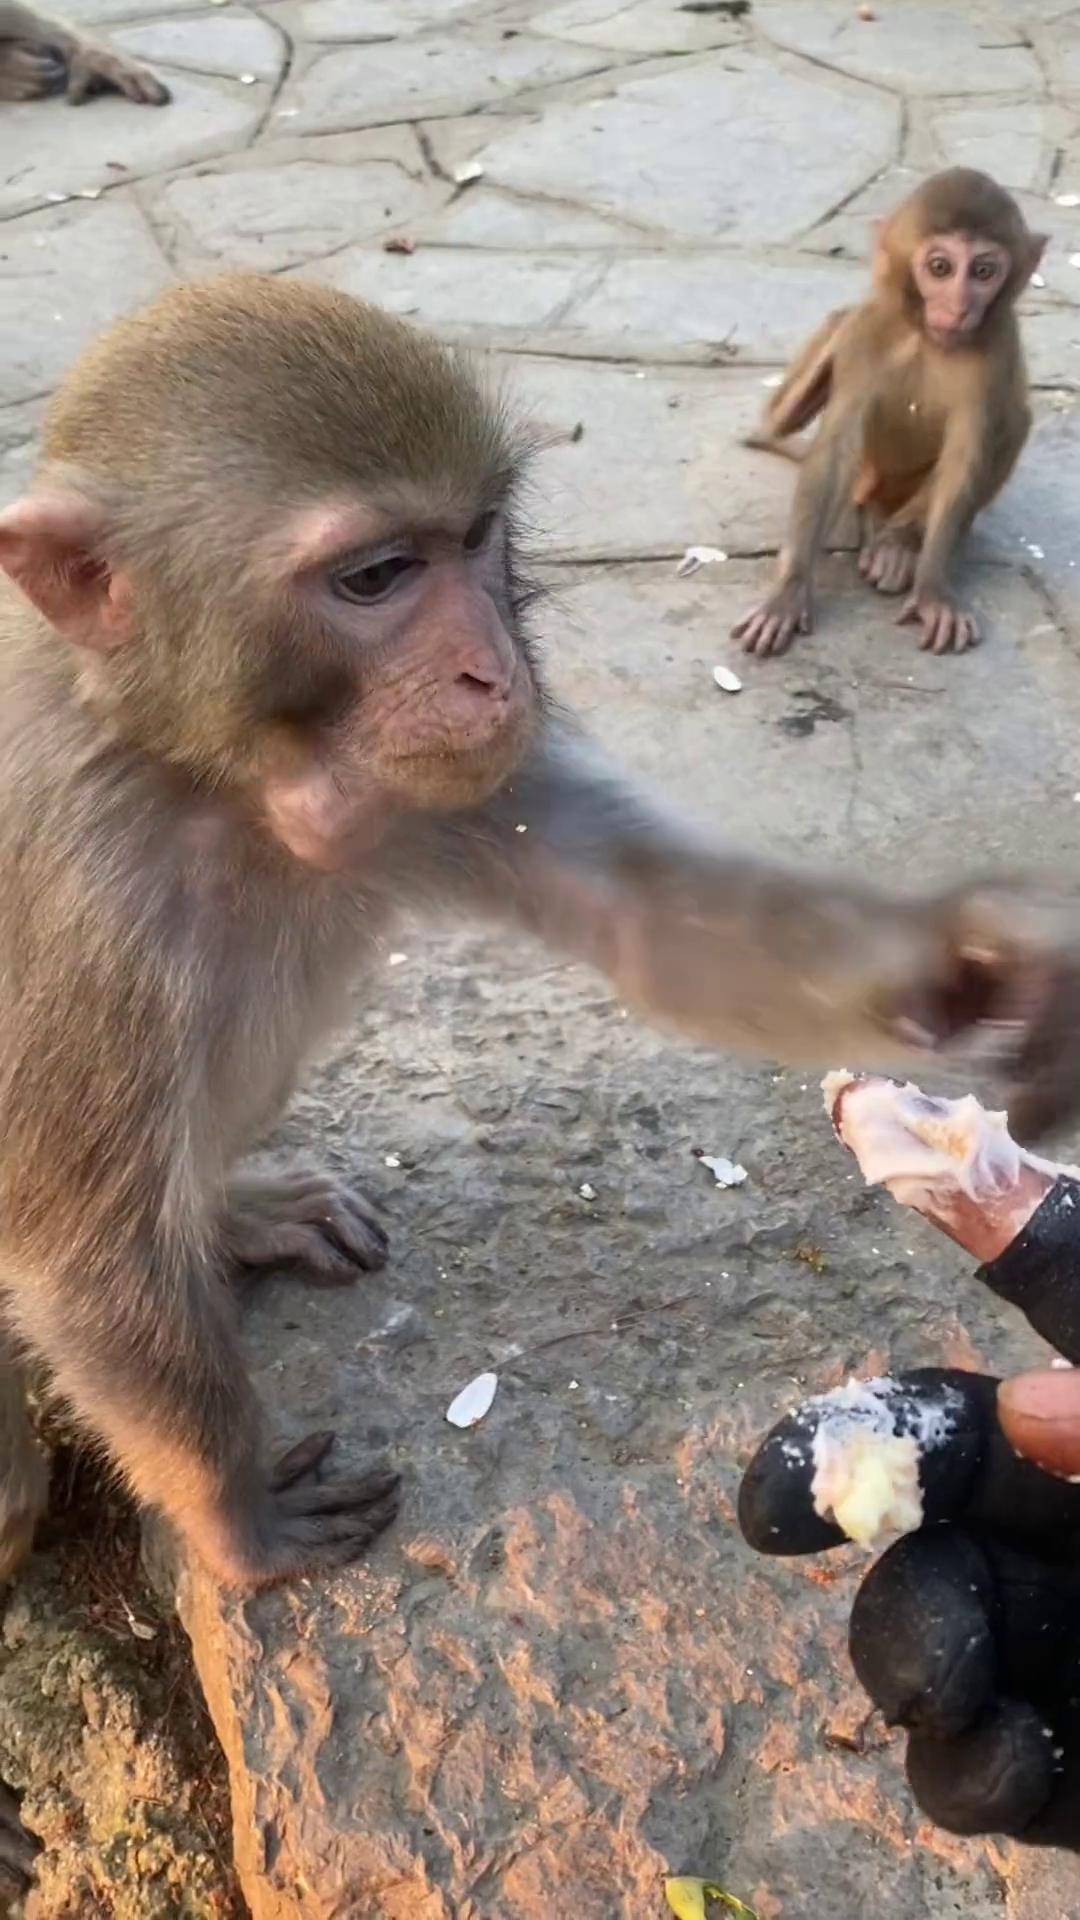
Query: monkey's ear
[48,548]
[1037,247]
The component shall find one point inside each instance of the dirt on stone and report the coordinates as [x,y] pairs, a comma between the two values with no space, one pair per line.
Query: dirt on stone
[103,1730]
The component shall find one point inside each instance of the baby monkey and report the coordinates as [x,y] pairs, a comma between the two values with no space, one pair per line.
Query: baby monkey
[922,393]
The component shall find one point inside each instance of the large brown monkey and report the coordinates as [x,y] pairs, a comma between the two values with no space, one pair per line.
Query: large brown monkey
[263,681]
[922,393]
[41,55]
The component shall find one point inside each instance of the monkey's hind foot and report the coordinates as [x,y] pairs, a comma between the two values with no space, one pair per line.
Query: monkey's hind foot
[309,1221]
[18,1849]
[888,561]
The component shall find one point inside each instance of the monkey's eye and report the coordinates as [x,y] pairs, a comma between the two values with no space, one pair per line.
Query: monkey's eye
[984,269]
[479,533]
[939,265]
[365,584]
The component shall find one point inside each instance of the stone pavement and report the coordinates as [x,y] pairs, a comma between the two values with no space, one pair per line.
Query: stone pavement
[561,1675]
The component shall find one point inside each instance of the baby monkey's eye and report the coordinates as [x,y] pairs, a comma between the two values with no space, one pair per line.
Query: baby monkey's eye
[479,533]
[365,584]
[984,270]
[939,265]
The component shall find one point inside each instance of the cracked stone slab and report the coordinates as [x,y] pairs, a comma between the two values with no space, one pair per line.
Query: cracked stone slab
[708,306]
[1041,510]
[46,148]
[93,13]
[638,26]
[484,217]
[1059,47]
[1014,140]
[227,42]
[20,434]
[638,151]
[345,20]
[281,216]
[64,275]
[533,1697]
[657,467]
[917,50]
[1052,346]
[478,297]
[367,86]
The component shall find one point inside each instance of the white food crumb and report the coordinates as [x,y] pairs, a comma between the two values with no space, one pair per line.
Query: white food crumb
[398,959]
[726,1173]
[725,679]
[586,1191]
[866,1473]
[391,1160]
[1067,199]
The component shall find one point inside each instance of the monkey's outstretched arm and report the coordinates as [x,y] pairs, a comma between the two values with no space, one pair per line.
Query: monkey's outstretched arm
[26,39]
[735,952]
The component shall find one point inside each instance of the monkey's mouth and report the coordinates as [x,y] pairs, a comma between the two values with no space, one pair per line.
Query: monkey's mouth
[950,334]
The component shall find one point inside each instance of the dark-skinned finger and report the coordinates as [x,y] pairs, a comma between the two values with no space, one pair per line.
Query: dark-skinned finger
[998,1777]
[1039,1272]
[921,1639]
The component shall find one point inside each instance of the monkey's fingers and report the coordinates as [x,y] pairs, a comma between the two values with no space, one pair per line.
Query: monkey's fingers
[94,69]
[945,628]
[770,629]
[339,1496]
[301,1459]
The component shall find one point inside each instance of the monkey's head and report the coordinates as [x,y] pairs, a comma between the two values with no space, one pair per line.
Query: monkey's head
[275,527]
[957,253]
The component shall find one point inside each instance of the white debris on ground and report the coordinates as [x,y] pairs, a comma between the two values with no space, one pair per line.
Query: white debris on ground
[473,1402]
[726,1173]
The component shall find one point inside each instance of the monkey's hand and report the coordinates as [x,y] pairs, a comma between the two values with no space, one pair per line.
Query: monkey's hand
[95,68]
[310,1221]
[771,628]
[946,628]
[1016,985]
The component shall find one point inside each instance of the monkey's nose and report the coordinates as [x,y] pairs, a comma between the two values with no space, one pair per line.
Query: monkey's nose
[479,683]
